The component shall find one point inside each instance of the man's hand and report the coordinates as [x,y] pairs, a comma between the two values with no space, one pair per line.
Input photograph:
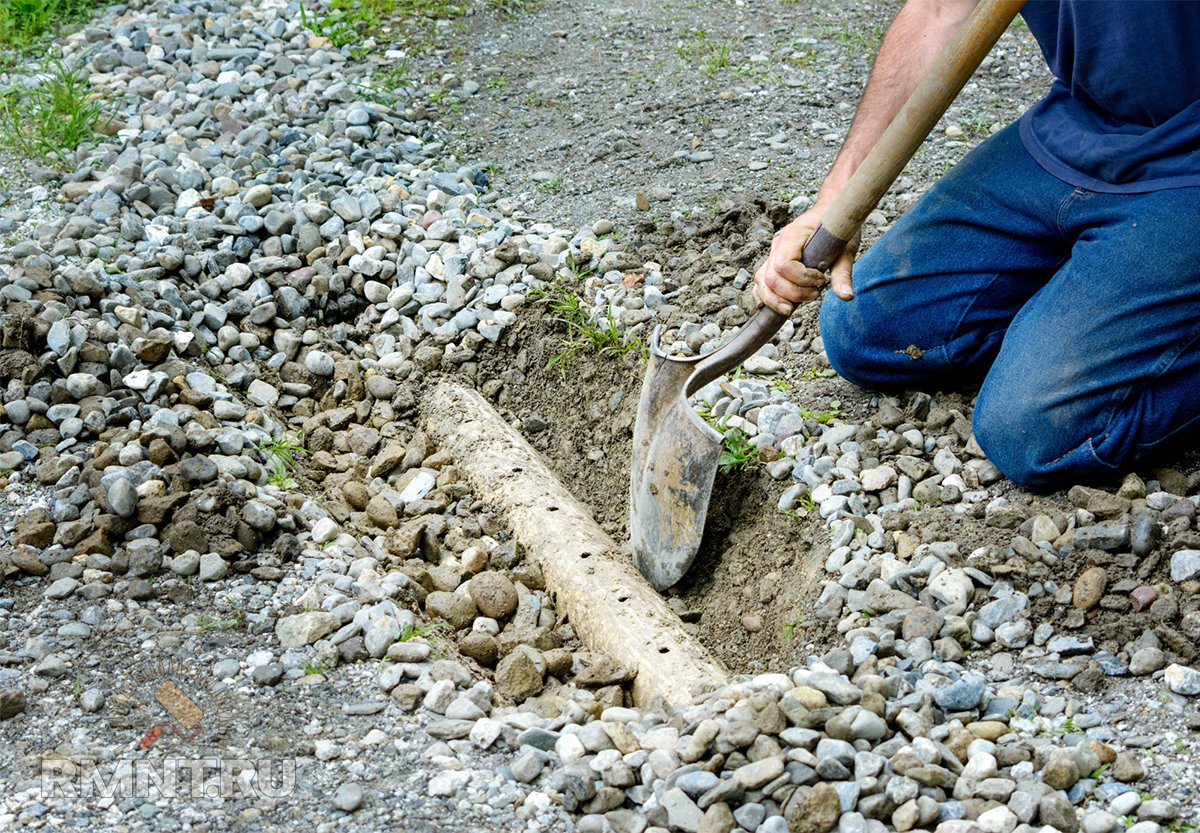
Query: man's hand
[783,281]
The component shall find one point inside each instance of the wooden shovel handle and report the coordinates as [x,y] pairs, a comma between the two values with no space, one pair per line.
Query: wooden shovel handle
[875,175]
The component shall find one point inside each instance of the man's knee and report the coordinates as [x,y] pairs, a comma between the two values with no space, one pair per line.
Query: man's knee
[851,344]
[1020,436]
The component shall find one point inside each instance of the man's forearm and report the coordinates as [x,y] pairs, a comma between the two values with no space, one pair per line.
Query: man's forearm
[921,30]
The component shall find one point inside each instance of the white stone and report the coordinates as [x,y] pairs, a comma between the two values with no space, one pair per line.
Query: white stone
[448,783]
[952,587]
[324,530]
[1182,680]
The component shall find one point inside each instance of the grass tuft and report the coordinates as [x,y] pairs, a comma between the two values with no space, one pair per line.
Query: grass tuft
[587,330]
[50,120]
[280,454]
[25,22]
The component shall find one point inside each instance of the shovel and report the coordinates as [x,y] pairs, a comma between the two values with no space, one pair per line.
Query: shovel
[675,452]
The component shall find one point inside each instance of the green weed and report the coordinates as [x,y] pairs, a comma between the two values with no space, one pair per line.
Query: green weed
[814,372]
[348,22]
[833,412]
[24,22]
[234,622]
[539,100]
[52,119]
[280,454]
[429,632]
[312,667]
[789,630]
[738,454]
[805,504]
[709,56]
[588,331]
[550,186]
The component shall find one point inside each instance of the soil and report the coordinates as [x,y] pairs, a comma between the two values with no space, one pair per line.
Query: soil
[583,105]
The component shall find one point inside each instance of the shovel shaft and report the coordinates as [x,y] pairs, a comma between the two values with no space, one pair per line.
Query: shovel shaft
[875,174]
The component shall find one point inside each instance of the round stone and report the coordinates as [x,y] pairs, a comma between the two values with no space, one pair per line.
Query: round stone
[349,797]
[122,497]
[494,594]
[319,363]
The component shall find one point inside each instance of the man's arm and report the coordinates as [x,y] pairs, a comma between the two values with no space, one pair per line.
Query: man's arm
[920,32]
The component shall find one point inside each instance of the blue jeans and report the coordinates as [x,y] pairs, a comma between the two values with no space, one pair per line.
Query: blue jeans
[1079,311]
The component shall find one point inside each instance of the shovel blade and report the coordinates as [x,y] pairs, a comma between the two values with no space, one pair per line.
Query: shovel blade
[675,456]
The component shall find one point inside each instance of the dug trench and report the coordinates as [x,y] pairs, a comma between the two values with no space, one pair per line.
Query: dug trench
[752,594]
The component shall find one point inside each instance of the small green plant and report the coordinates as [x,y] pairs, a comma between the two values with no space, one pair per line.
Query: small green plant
[781,384]
[1067,727]
[1100,771]
[78,687]
[234,622]
[1179,744]
[790,629]
[550,186]
[588,331]
[348,22]
[738,454]
[24,22]
[50,120]
[833,412]
[430,632]
[709,56]
[814,372]
[312,667]
[280,454]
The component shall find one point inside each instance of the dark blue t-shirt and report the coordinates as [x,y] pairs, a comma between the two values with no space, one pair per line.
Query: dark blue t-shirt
[1123,114]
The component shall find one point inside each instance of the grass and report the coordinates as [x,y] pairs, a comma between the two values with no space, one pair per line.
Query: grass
[311,667]
[708,55]
[805,506]
[813,373]
[235,622]
[1067,728]
[550,186]
[49,121]
[429,632]
[587,330]
[738,454]
[280,454]
[833,412]
[789,630]
[23,23]
[350,22]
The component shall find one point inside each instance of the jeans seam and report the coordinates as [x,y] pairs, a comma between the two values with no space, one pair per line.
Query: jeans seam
[957,329]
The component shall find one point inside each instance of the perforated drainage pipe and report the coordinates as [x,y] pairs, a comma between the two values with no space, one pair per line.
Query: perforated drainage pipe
[609,604]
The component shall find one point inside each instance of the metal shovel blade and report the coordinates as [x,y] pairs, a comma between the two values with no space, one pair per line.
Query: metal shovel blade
[675,456]
[675,453]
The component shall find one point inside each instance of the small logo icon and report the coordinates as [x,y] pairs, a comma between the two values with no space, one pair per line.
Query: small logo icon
[171,701]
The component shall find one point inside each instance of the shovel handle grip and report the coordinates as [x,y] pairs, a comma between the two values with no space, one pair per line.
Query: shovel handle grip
[875,174]
[821,250]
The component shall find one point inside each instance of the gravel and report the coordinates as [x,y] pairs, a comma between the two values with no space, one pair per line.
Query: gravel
[216,329]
